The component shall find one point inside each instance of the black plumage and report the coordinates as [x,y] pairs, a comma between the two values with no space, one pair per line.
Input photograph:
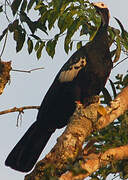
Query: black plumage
[84,75]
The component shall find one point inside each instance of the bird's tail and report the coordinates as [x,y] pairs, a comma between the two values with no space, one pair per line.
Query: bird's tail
[26,152]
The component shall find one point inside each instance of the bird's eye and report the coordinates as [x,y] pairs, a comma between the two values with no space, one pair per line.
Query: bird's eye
[102,4]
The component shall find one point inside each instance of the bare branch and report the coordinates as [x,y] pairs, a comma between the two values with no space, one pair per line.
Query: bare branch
[29,71]
[5,41]
[20,109]
[120,62]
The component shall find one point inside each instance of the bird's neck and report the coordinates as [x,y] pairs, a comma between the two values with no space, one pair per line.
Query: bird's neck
[102,31]
[101,34]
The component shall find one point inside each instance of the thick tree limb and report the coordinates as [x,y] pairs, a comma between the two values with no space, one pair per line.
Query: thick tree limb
[70,143]
[97,161]
[81,125]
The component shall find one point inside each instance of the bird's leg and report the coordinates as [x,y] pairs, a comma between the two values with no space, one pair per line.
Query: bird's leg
[78,102]
[91,100]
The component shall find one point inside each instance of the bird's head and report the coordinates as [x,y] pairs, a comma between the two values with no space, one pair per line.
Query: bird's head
[103,11]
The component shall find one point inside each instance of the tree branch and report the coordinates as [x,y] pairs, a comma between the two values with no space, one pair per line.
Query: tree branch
[69,144]
[96,161]
[120,62]
[20,109]
[28,71]
[5,41]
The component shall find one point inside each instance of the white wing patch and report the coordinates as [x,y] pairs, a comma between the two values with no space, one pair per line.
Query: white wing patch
[69,75]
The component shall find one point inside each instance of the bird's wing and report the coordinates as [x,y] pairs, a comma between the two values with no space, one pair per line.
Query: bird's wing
[72,67]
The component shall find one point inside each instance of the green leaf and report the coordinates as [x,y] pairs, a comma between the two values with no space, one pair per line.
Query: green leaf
[84,30]
[121,26]
[13,26]
[125,44]
[71,44]
[67,17]
[112,53]
[125,81]
[112,35]
[41,26]
[35,37]
[39,51]
[38,6]
[1,9]
[65,21]
[52,17]
[15,6]
[92,35]
[79,44]
[16,35]
[107,96]
[43,9]
[57,5]
[61,23]
[15,23]
[124,34]
[32,25]
[20,41]
[30,4]
[50,47]
[118,50]
[74,26]
[113,88]
[71,30]
[30,45]
[44,16]
[23,6]
[37,45]
[66,44]
[3,34]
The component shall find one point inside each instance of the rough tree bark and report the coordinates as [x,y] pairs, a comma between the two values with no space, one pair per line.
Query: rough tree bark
[69,144]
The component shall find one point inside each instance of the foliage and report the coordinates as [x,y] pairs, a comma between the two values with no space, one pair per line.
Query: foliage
[69,17]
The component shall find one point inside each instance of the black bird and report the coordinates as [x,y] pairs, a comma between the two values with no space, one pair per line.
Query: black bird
[82,76]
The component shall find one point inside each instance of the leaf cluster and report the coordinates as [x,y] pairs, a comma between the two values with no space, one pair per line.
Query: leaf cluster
[67,17]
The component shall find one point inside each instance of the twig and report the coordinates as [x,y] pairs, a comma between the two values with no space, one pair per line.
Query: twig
[120,62]
[115,177]
[4,44]
[29,71]
[20,109]
[19,117]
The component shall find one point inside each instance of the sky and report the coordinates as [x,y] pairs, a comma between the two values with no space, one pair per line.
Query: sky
[29,89]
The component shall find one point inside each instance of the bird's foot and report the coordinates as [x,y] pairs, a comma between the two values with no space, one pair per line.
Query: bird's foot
[101,110]
[78,102]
